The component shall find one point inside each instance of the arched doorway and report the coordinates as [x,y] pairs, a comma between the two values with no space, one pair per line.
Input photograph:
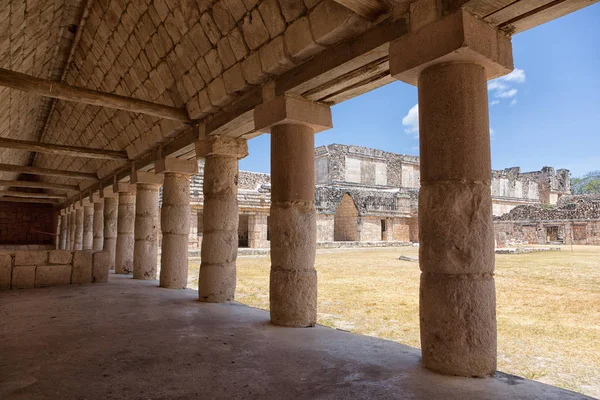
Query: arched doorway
[345,223]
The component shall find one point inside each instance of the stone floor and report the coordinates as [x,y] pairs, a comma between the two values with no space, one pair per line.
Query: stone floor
[129,339]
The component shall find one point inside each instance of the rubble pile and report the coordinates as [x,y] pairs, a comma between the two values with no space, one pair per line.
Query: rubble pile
[572,208]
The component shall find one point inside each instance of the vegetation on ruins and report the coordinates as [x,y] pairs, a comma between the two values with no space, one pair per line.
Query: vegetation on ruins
[587,184]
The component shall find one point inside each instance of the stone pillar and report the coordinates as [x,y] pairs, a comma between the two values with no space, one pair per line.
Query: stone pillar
[88,227]
[293,279]
[145,251]
[72,226]
[220,222]
[98,228]
[175,220]
[78,244]
[257,231]
[125,228]
[200,216]
[64,229]
[110,227]
[457,301]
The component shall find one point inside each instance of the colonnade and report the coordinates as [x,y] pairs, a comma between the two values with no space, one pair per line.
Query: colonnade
[457,292]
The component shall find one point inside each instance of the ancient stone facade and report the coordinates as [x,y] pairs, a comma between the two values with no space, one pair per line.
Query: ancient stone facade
[368,195]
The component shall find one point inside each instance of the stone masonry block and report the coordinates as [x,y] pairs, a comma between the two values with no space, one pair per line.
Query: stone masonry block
[82,267]
[271,15]
[254,30]
[225,53]
[23,277]
[210,28]
[299,41]
[236,8]
[291,9]
[291,110]
[31,257]
[218,94]
[60,257]
[234,79]
[222,17]
[273,57]
[100,266]
[238,46]
[5,271]
[52,275]
[252,70]
[215,145]
[331,23]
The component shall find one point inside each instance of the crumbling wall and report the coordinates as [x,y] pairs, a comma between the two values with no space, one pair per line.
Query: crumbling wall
[346,221]
[25,224]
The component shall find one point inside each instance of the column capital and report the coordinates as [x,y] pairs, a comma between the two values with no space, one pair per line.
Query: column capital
[222,146]
[123,187]
[286,109]
[107,192]
[147,178]
[176,165]
[458,37]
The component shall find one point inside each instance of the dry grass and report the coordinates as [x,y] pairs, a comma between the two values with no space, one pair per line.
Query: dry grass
[548,306]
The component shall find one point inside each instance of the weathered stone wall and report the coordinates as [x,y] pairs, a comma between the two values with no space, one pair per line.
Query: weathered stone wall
[586,232]
[370,229]
[345,223]
[23,224]
[41,268]
[325,227]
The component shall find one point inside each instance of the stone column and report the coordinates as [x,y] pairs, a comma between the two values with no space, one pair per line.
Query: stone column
[220,223]
[200,228]
[257,231]
[88,227]
[145,251]
[457,301]
[293,279]
[111,204]
[78,244]
[64,229]
[98,228]
[125,228]
[175,220]
[72,226]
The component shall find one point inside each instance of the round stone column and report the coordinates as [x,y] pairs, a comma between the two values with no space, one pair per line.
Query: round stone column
[221,218]
[125,230]
[175,220]
[293,279]
[110,229]
[78,244]
[88,227]
[457,294]
[98,228]
[72,228]
[145,253]
[64,229]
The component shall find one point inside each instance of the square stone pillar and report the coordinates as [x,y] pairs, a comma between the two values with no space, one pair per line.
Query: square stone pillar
[200,226]
[110,216]
[88,226]
[220,220]
[145,250]
[125,228]
[292,123]
[175,220]
[450,61]
[78,239]
[98,223]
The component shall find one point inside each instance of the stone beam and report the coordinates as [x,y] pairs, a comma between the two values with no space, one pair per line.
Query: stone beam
[39,185]
[63,150]
[25,200]
[57,90]
[13,193]
[22,169]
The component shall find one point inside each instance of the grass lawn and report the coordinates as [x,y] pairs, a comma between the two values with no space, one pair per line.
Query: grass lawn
[548,305]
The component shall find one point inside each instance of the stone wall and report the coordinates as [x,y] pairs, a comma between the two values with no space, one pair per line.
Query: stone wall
[41,268]
[325,227]
[586,232]
[345,225]
[23,224]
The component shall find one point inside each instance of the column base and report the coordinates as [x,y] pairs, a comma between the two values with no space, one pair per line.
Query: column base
[293,297]
[217,282]
[458,323]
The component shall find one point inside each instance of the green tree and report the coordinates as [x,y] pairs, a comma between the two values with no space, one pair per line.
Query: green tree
[588,184]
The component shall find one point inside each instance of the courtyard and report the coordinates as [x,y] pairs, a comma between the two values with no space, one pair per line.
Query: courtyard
[548,305]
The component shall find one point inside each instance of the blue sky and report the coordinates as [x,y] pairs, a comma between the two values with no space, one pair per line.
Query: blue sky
[547,112]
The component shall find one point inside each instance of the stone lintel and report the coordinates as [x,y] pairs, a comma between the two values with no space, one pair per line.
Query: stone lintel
[148,178]
[123,187]
[222,146]
[458,37]
[292,110]
[176,165]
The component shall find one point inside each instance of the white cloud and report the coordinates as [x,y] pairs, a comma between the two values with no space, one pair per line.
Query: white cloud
[506,94]
[411,121]
[503,87]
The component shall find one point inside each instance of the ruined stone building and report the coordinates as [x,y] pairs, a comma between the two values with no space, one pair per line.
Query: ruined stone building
[104,103]
[369,197]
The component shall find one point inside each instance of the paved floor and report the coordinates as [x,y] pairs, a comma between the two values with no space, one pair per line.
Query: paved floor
[129,339]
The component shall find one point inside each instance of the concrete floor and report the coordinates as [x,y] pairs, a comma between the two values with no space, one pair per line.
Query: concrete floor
[129,339]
